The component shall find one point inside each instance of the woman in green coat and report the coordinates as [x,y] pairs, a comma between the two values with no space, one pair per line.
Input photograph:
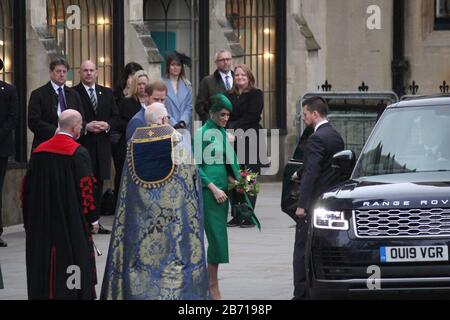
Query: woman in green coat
[218,166]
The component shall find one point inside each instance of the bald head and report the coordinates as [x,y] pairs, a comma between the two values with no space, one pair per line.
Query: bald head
[88,73]
[71,122]
[156,113]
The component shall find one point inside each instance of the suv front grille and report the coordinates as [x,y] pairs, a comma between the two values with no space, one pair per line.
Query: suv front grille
[332,263]
[402,223]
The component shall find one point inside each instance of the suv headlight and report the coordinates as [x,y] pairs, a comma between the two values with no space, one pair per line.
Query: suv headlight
[325,219]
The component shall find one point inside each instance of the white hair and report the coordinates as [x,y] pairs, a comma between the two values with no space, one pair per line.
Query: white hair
[155,113]
[216,55]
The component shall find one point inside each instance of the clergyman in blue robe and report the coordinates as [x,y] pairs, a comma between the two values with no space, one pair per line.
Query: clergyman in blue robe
[156,250]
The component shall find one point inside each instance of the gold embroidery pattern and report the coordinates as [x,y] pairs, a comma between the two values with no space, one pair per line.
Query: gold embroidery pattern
[166,221]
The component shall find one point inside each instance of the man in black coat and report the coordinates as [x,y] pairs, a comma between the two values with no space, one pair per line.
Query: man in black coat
[317,176]
[101,115]
[221,81]
[49,101]
[9,117]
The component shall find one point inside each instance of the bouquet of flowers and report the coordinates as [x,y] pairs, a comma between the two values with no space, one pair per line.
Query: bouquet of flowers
[246,183]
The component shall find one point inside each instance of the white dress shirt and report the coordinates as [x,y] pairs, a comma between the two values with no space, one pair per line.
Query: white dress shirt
[230,78]
[319,124]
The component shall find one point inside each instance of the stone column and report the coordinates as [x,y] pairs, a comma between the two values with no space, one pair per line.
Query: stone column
[139,46]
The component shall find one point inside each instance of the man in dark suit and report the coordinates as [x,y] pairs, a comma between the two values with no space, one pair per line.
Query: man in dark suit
[221,81]
[317,176]
[100,114]
[49,101]
[9,117]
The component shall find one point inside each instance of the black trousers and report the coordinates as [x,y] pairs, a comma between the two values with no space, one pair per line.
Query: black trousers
[98,193]
[299,261]
[118,154]
[3,165]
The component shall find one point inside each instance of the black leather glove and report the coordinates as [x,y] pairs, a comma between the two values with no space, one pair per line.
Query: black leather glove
[180,125]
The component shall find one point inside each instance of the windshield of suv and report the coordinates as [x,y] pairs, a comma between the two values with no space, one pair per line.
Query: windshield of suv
[414,139]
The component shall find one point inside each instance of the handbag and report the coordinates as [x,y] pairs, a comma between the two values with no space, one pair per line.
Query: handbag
[239,207]
[241,211]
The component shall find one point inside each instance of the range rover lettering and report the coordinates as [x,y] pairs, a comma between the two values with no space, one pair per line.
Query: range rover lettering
[393,212]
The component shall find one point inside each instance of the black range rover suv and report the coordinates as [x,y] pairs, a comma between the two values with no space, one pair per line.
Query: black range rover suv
[387,228]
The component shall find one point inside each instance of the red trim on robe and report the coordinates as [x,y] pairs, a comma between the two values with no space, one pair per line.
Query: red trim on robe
[87,194]
[59,144]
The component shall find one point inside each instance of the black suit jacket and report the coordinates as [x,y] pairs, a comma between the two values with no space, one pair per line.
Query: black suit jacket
[42,111]
[9,117]
[209,86]
[98,144]
[317,175]
[127,109]
[247,110]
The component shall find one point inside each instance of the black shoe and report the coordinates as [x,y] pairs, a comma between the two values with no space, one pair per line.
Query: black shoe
[247,224]
[234,222]
[3,244]
[102,230]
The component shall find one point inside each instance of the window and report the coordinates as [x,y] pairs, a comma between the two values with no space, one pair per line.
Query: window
[6,41]
[13,54]
[93,40]
[442,15]
[174,26]
[257,23]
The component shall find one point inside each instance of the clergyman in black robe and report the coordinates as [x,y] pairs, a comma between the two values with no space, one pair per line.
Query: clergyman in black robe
[58,208]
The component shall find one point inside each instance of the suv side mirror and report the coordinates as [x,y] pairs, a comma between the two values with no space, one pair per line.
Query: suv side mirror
[343,163]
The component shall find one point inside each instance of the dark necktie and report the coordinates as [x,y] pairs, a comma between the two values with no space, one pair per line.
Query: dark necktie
[93,99]
[227,83]
[61,100]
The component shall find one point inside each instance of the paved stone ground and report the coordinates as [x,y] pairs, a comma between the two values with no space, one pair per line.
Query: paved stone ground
[260,262]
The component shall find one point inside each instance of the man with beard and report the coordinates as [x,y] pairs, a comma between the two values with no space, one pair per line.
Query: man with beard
[221,81]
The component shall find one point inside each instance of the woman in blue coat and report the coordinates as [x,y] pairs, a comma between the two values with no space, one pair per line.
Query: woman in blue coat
[179,91]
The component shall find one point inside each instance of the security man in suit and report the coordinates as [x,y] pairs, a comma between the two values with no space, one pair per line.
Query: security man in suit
[49,101]
[317,176]
[221,81]
[9,117]
[100,114]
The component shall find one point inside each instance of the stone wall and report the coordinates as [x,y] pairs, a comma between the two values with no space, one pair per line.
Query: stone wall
[139,46]
[427,50]
[12,211]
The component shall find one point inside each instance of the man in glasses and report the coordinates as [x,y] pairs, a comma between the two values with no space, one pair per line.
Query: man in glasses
[220,81]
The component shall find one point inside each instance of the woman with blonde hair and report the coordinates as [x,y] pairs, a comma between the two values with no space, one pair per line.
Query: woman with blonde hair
[134,101]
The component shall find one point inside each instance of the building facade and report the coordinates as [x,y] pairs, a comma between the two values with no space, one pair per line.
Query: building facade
[292,46]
